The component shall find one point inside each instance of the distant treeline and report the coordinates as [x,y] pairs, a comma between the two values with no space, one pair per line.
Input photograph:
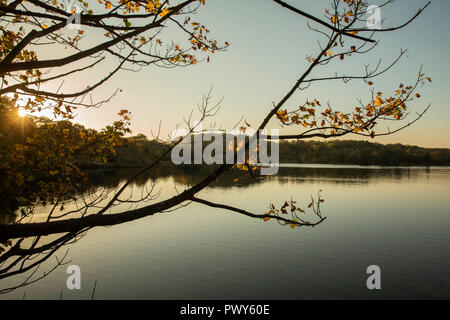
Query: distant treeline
[139,149]
[361,153]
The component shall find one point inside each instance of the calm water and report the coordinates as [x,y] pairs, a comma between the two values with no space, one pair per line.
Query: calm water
[396,218]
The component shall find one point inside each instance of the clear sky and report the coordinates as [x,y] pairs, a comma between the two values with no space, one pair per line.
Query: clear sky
[269,45]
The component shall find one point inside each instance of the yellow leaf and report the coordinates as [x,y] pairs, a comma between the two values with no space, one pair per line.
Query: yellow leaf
[378,101]
[164,12]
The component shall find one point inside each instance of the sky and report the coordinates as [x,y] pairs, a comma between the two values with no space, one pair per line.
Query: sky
[268,51]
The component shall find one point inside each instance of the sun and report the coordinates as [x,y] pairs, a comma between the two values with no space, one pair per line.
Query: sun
[45,112]
[22,113]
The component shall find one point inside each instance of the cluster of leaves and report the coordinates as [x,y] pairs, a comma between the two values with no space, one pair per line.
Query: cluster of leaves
[133,34]
[40,164]
[290,208]
[343,18]
[10,39]
[361,121]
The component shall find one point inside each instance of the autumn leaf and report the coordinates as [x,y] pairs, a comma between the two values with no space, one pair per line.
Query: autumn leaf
[123,112]
[378,101]
[164,12]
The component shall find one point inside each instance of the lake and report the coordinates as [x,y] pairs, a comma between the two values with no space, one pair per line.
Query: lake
[396,218]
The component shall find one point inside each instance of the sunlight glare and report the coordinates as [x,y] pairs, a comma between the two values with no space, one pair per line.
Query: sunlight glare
[22,112]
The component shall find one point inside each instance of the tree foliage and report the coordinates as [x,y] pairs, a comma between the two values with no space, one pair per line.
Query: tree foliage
[39,157]
[129,35]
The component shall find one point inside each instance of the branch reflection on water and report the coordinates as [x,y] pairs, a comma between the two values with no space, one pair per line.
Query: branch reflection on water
[23,254]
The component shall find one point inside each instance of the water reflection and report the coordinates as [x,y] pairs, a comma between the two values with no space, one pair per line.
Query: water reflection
[382,183]
[190,175]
